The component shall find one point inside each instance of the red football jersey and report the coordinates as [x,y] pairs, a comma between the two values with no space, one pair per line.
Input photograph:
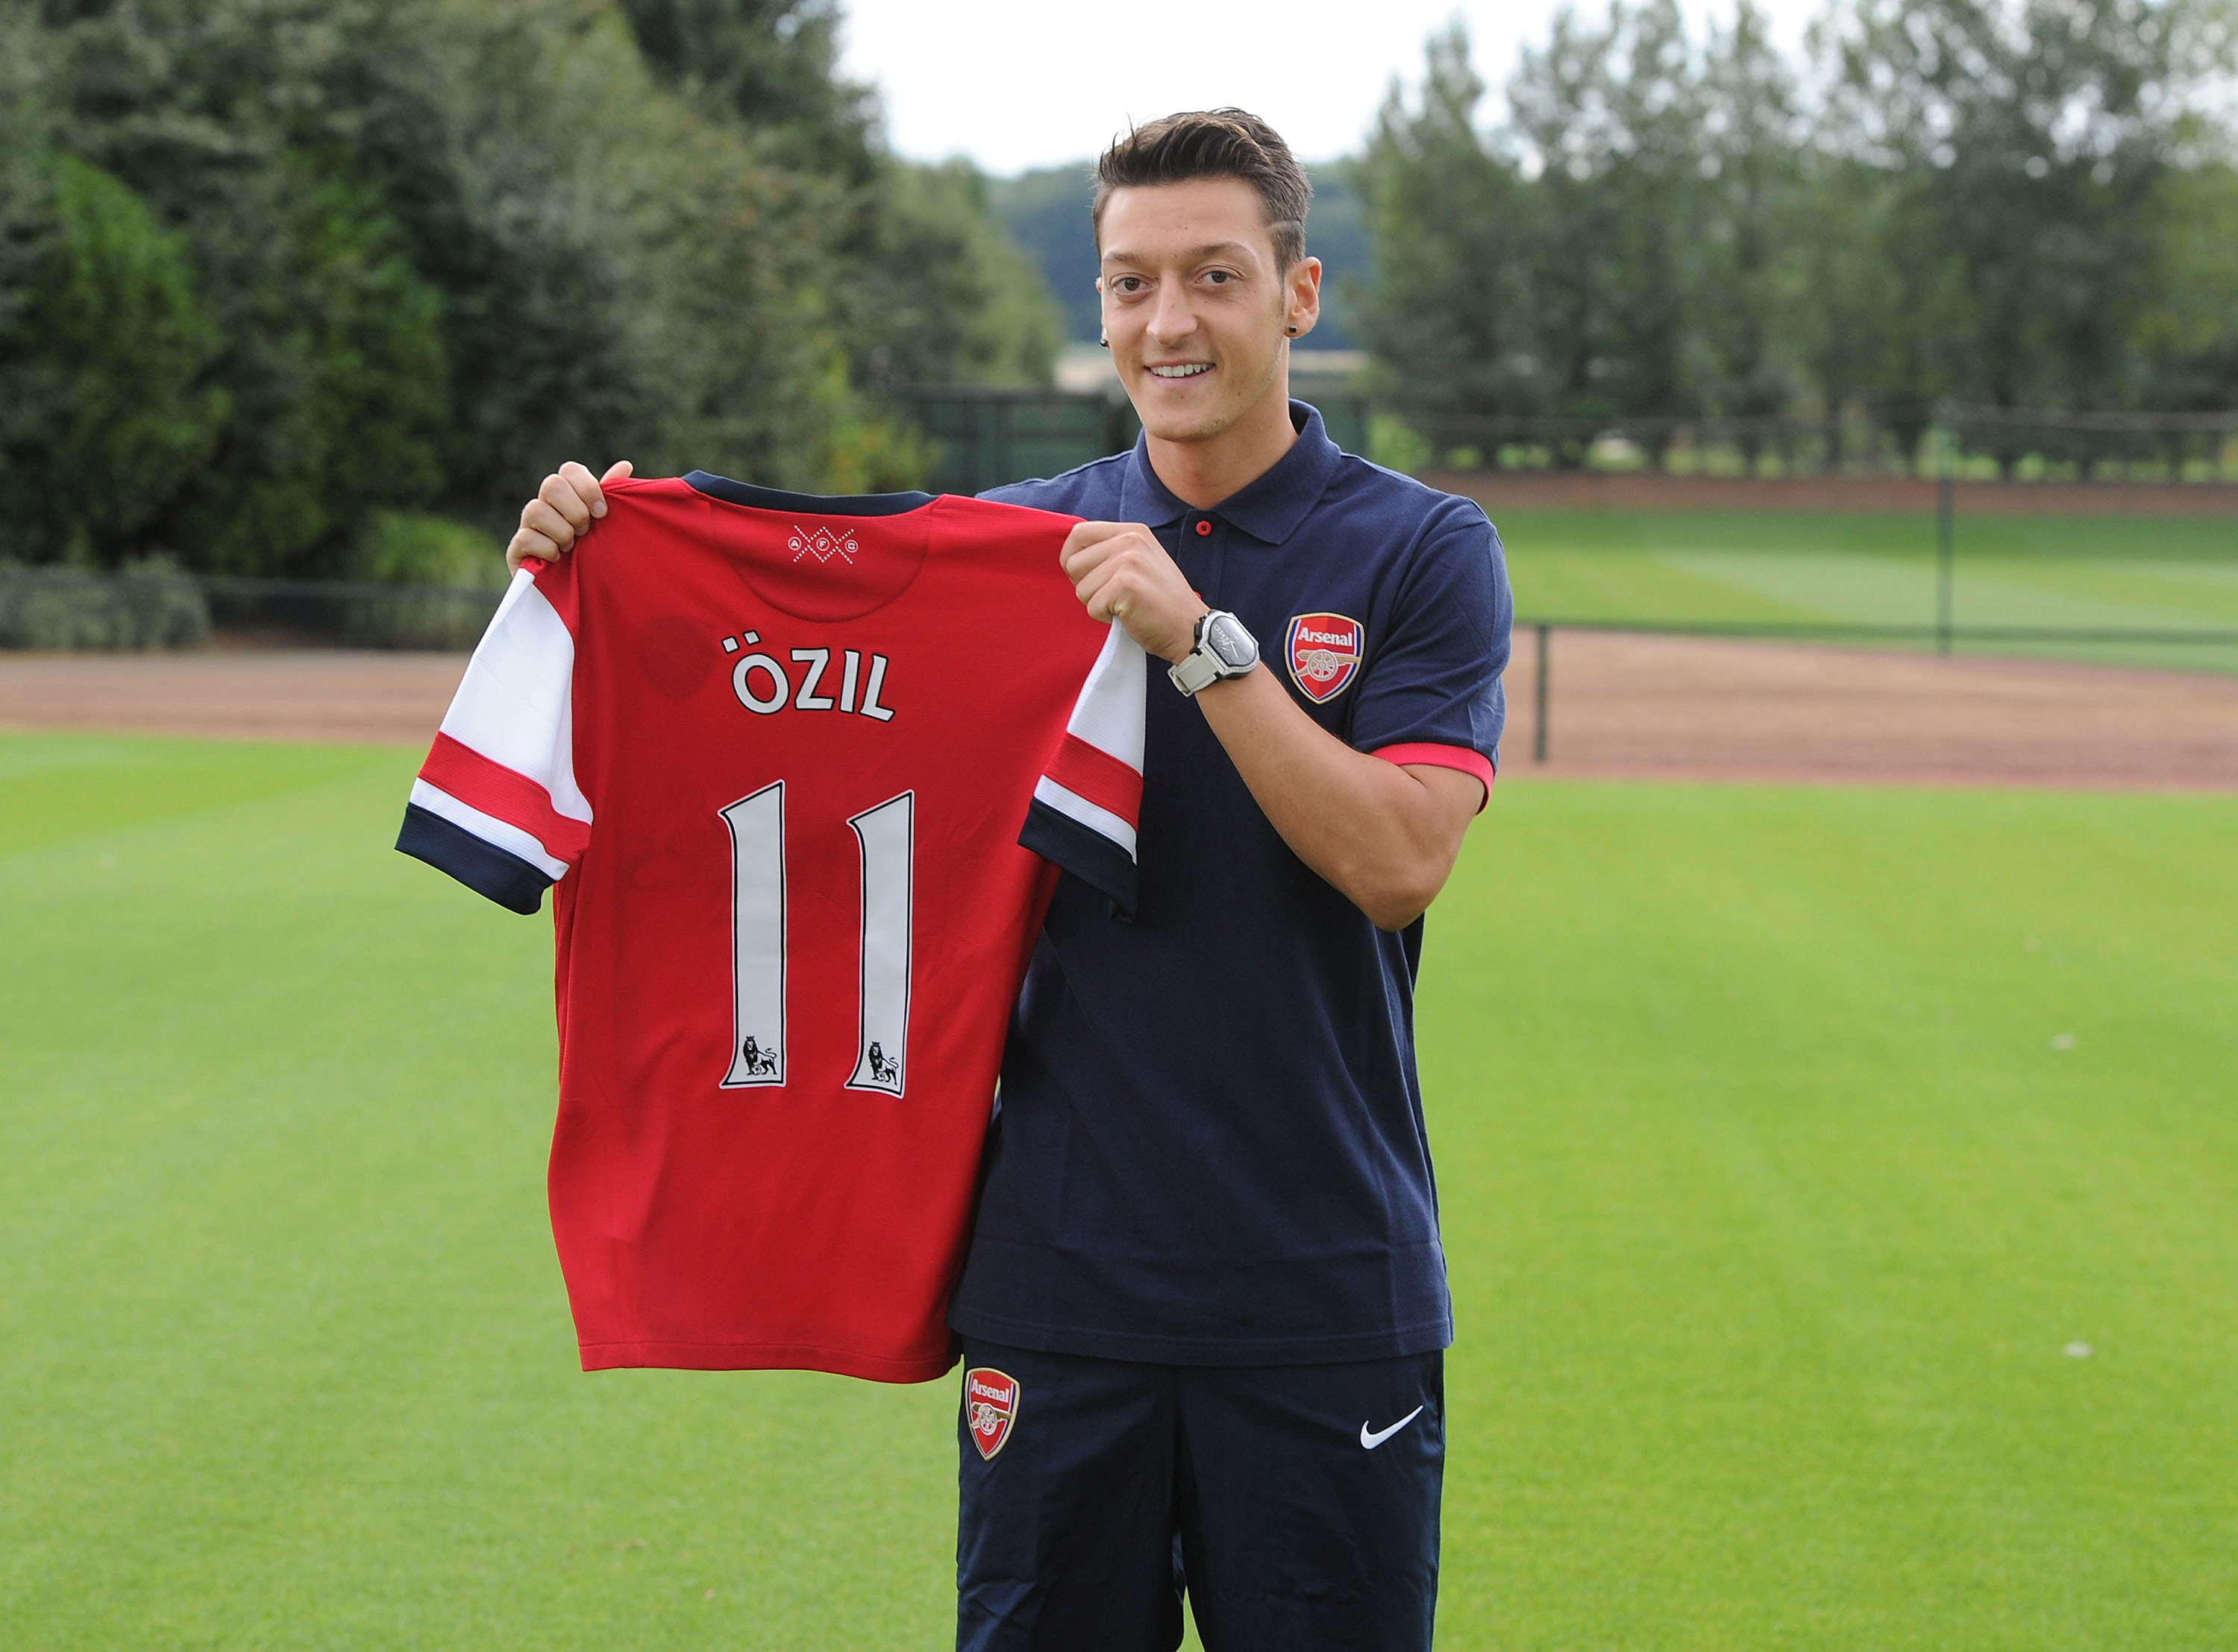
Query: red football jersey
[788,760]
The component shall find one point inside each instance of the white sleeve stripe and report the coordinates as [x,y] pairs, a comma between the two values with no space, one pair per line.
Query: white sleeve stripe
[497,833]
[1109,714]
[1073,806]
[515,704]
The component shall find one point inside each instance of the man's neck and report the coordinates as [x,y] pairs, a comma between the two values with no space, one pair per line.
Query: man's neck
[1201,474]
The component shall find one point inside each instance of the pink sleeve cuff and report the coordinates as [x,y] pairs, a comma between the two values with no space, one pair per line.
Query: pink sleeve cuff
[1461,758]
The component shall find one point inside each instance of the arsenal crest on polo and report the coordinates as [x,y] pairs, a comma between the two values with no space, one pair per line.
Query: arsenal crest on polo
[1324,653]
[990,1404]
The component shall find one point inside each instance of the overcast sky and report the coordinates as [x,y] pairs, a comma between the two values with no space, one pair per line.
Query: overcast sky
[1020,83]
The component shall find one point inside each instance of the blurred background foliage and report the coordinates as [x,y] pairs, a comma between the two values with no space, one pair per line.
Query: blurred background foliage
[321,287]
[293,287]
[2023,203]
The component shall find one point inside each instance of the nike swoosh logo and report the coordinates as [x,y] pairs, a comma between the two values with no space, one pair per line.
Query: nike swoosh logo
[1369,1440]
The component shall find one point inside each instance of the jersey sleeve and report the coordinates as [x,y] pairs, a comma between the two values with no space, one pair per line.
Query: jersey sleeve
[1432,693]
[1088,800]
[496,805]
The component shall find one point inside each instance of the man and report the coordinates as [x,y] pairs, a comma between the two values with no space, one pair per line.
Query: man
[1205,1282]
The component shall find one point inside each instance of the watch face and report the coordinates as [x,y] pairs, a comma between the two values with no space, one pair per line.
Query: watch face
[1231,641]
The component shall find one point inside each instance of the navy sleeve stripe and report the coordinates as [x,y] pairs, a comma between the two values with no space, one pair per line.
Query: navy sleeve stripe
[482,866]
[1083,851]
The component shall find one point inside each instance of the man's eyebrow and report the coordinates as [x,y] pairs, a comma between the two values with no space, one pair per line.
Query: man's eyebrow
[1214,249]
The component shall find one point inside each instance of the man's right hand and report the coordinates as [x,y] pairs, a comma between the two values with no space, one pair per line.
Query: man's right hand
[562,511]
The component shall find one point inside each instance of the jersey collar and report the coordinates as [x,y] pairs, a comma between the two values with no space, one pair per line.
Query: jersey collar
[1269,508]
[770,498]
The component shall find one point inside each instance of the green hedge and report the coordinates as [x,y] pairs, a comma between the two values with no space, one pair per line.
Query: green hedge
[150,606]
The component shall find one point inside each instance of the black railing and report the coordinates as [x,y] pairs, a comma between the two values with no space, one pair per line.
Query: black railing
[1942,637]
[983,437]
[72,608]
[1895,440]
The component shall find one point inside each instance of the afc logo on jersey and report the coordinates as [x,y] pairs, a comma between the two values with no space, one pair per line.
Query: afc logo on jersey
[990,1405]
[1324,652]
[823,545]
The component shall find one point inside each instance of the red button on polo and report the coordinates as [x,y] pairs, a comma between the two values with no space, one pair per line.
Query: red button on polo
[1203,527]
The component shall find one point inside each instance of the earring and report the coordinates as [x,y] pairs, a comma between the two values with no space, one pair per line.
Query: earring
[1103,339]
[1291,331]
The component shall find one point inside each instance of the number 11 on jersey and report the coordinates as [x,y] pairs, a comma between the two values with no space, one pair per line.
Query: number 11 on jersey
[884,839]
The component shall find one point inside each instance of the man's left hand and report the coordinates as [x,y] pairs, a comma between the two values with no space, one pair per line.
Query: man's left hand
[1120,571]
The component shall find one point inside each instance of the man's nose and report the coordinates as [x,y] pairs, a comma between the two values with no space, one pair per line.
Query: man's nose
[1173,318]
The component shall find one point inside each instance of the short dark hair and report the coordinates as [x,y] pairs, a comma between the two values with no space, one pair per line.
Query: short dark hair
[1214,144]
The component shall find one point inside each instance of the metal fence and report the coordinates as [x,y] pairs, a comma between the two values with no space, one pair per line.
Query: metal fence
[1942,637]
[984,437]
[69,608]
[1950,445]
[1924,439]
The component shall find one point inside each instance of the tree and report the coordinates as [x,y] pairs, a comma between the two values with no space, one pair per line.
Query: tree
[1842,297]
[620,273]
[1610,115]
[26,133]
[948,297]
[1337,233]
[922,284]
[1046,212]
[1450,317]
[430,247]
[1558,267]
[26,225]
[2028,143]
[334,378]
[771,65]
[100,363]
[2017,201]
[2190,332]
[445,242]
[1752,183]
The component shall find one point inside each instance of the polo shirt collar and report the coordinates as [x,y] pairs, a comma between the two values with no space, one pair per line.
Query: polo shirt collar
[1269,508]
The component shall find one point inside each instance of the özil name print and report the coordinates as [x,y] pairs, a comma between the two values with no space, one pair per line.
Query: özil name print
[765,686]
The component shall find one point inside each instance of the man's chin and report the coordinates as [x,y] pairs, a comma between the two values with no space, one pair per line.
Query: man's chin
[1199,426]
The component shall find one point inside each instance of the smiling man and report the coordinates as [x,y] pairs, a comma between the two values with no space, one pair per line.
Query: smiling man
[1204,1309]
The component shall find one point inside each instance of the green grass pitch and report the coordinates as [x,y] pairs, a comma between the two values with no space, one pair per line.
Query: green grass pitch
[1787,1139]
[1711,567]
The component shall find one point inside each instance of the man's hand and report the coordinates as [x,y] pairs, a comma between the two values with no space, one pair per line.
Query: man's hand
[562,512]
[1385,836]
[1120,571]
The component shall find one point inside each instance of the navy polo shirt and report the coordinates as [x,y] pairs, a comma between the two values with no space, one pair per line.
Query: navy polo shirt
[1210,1147]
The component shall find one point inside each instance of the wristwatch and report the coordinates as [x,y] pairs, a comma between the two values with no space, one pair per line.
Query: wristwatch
[1223,650]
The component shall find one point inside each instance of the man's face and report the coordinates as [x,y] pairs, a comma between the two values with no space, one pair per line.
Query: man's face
[1193,304]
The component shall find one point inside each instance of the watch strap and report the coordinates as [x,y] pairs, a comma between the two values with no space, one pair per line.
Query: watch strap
[1198,668]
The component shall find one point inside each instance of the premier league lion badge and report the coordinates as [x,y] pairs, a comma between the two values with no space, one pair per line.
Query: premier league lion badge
[1324,652]
[990,1405]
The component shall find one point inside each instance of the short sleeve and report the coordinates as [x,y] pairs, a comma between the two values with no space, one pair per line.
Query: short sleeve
[1088,802]
[496,804]
[1431,690]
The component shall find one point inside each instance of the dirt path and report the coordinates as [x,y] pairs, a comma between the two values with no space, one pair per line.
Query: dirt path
[1621,706]
[283,694]
[1629,705]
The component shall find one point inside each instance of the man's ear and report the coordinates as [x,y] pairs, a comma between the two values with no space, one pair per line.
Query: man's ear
[1303,291]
